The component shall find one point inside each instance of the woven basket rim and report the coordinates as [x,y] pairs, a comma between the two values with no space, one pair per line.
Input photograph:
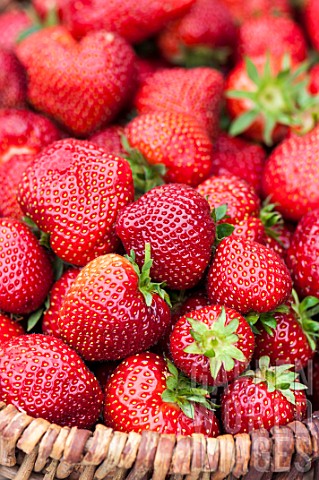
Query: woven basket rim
[31,446]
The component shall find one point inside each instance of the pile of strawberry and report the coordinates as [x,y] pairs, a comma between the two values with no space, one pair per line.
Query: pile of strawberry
[159,213]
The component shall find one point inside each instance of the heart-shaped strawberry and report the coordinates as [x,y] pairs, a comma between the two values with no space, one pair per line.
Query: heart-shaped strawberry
[83,85]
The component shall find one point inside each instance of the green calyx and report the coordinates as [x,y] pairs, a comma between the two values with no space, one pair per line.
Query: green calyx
[51,20]
[145,175]
[304,311]
[217,342]
[266,319]
[271,219]
[182,391]
[281,378]
[280,98]
[145,284]
[223,229]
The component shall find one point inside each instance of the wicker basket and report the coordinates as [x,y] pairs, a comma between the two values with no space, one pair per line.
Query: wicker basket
[36,449]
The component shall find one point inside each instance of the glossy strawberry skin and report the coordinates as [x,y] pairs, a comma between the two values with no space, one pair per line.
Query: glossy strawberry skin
[235,156]
[247,276]
[240,198]
[24,132]
[250,228]
[109,139]
[287,344]
[9,328]
[10,176]
[197,366]
[175,140]
[247,406]
[243,11]
[99,66]
[172,218]
[134,21]
[84,188]
[45,378]
[104,315]
[139,382]
[26,273]
[285,34]
[51,316]
[302,257]
[311,12]
[13,86]
[294,189]
[199,92]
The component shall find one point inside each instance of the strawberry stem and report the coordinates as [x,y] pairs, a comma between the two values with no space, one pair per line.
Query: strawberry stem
[304,311]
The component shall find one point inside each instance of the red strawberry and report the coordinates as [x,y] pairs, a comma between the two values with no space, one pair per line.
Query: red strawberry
[240,198]
[302,257]
[95,76]
[205,35]
[197,92]
[295,190]
[311,13]
[290,337]
[112,310]
[250,228]
[266,96]
[10,177]
[280,238]
[175,219]
[26,273]
[134,21]
[45,378]
[110,139]
[9,328]
[235,156]
[212,345]
[244,11]
[24,132]
[51,316]
[13,87]
[278,35]
[74,191]
[175,140]
[12,24]
[247,276]
[269,397]
[144,393]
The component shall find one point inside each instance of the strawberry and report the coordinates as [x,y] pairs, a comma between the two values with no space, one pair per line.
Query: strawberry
[45,378]
[197,92]
[240,198]
[26,273]
[235,156]
[291,337]
[212,345]
[280,239]
[74,191]
[250,228]
[10,177]
[12,24]
[206,35]
[294,190]
[110,139]
[9,328]
[24,132]
[100,66]
[266,95]
[133,21]
[302,256]
[172,218]
[13,86]
[146,393]
[310,15]
[244,11]
[278,35]
[247,276]
[51,316]
[269,397]
[174,140]
[112,309]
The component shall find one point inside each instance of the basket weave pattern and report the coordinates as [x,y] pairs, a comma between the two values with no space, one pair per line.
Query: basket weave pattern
[36,449]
